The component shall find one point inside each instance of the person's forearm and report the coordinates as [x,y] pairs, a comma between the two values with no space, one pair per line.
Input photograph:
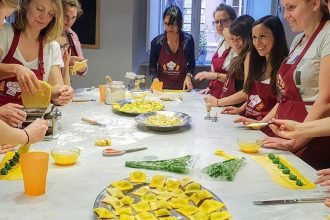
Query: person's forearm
[221,77]
[7,70]
[234,99]
[270,114]
[66,75]
[10,135]
[311,129]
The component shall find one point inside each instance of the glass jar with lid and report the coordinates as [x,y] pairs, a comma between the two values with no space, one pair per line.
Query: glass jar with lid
[115,92]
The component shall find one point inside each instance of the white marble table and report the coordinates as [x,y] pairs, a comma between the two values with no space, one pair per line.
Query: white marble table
[71,191]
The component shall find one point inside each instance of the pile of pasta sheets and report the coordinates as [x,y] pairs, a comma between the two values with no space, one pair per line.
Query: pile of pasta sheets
[159,198]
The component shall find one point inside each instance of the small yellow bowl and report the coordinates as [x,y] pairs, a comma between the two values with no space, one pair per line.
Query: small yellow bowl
[65,156]
[248,145]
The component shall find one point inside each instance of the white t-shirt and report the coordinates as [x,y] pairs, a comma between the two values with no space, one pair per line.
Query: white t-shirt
[307,73]
[51,52]
[228,59]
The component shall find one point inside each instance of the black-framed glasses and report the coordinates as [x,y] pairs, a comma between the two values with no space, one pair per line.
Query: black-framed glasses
[221,21]
[65,46]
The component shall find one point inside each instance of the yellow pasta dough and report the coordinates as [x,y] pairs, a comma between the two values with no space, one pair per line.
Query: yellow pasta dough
[138,177]
[126,217]
[209,206]
[193,187]
[41,99]
[200,195]
[127,200]
[178,203]
[177,192]
[187,210]
[224,215]
[162,212]
[113,201]
[115,192]
[142,206]
[168,218]
[199,216]
[145,216]
[103,142]
[161,204]
[141,191]
[164,196]
[172,185]
[124,210]
[157,181]
[122,185]
[103,213]
[159,190]
[149,197]
[185,181]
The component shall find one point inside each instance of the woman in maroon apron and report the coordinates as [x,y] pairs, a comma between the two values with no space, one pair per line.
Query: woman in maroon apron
[172,53]
[291,105]
[268,52]
[223,16]
[241,41]
[43,27]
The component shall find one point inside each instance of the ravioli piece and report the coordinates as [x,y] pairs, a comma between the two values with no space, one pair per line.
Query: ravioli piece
[145,216]
[124,210]
[103,142]
[172,185]
[162,212]
[161,204]
[193,187]
[149,197]
[126,217]
[187,210]
[41,99]
[159,190]
[185,181]
[127,200]
[164,196]
[178,203]
[177,192]
[221,215]
[122,185]
[200,195]
[199,216]
[183,196]
[141,191]
[168,218]
[103,213]
[138,177]
[209,206]
[113,201]
[142,206]
[115,192]
[157,181]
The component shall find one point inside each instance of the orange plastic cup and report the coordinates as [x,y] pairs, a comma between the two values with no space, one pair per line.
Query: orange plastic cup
[102,92]
[34,169]
[158,86]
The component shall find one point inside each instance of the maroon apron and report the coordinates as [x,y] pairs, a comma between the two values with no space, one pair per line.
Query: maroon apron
[72,46]
[172,66]
[215,86]
[10,91]
[260,101]
[229,87]
[317,152]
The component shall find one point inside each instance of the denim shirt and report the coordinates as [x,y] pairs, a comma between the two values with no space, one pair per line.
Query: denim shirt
[188,49]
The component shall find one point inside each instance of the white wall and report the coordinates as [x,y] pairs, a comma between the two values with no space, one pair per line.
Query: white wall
[122,42]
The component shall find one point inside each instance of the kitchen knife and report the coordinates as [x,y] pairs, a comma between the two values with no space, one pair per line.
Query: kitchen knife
[290,201]
[92,122]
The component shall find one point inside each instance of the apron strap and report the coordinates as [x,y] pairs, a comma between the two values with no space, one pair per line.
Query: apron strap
[41,57]
[14,44]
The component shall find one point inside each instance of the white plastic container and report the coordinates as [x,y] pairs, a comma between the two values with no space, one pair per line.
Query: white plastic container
[114,92]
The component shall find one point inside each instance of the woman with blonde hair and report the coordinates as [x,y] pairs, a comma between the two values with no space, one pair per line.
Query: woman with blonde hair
[30,42]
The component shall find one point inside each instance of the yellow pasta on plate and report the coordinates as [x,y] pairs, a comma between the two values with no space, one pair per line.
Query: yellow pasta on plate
[157,181]
[168,218]
[164,196]
[177,192]
[122,185]
[161,204]
[124,210]
[187,210]
[199,216]
[142,206]
[127,200]
[193,187]
[141,191]
[224,215]
[41,99]
[200,195]
[209,206]
[172,185]
[159,190]
[103,213]
[185,181]
[162,212]
[145,216]
[138,177]
[113,201]
[149,197]
[176,203]
[115,192]
[126,217]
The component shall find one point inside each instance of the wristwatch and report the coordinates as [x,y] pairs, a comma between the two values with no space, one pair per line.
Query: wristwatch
[190,75]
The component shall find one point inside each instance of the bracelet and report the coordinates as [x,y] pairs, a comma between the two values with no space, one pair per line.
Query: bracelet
[218,76]
[28,137]
[218,102]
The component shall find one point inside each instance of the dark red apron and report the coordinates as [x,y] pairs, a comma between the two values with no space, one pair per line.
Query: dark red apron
[215,86]
[229,87]
[172,66]
[260,101]
[72,46]
[317,152]
[10,92]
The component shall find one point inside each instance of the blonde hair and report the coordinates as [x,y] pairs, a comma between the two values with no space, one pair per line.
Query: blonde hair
[53,29]
[73,3]
[11,3]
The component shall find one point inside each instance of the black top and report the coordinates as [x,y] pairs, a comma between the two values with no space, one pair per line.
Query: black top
[188,49]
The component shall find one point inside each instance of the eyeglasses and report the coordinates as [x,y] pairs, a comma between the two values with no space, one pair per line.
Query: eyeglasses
[221,21]
[65,46]
[174,26]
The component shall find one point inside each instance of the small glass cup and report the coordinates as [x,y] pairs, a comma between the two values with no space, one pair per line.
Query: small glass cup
[248,145]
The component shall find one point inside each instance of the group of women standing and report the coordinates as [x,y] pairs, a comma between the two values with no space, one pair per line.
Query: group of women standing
[255,75]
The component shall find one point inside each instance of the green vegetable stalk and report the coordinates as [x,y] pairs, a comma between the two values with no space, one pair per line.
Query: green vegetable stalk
[226,169]
[177,165]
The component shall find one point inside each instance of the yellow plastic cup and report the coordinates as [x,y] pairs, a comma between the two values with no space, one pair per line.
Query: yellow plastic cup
[102,92]
[34,169]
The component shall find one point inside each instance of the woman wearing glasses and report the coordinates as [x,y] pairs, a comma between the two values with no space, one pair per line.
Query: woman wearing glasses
[223,16]
[172,54]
